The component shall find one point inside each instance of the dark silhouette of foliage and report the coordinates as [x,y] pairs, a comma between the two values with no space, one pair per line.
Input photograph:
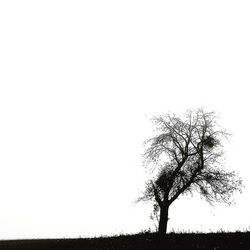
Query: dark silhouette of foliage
[187,155]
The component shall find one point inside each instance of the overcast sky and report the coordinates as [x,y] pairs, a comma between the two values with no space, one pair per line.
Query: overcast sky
[78,83]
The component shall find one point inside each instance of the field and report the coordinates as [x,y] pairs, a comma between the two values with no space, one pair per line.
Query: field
[144,241]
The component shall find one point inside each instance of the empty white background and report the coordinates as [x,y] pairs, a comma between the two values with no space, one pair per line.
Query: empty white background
[78,83]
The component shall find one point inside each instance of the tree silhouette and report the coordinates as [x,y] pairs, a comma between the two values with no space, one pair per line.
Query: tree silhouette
[187,155]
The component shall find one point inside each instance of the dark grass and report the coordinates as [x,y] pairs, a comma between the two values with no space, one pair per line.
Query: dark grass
[144,241]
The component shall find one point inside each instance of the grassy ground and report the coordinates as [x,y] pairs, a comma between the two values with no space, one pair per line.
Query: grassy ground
[146,241]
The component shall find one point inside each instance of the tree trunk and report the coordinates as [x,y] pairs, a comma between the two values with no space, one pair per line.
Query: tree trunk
[163,220]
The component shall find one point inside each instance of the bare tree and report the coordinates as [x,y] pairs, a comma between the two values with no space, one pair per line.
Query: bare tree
[187,156]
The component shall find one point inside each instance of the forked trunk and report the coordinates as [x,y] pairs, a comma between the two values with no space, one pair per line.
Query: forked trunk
[163,220]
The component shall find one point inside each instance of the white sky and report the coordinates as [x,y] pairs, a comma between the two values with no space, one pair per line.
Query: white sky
[78,80]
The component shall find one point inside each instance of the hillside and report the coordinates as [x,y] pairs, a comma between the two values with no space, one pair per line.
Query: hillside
[213,241]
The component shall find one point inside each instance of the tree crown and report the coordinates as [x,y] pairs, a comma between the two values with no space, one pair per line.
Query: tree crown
[187,154]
